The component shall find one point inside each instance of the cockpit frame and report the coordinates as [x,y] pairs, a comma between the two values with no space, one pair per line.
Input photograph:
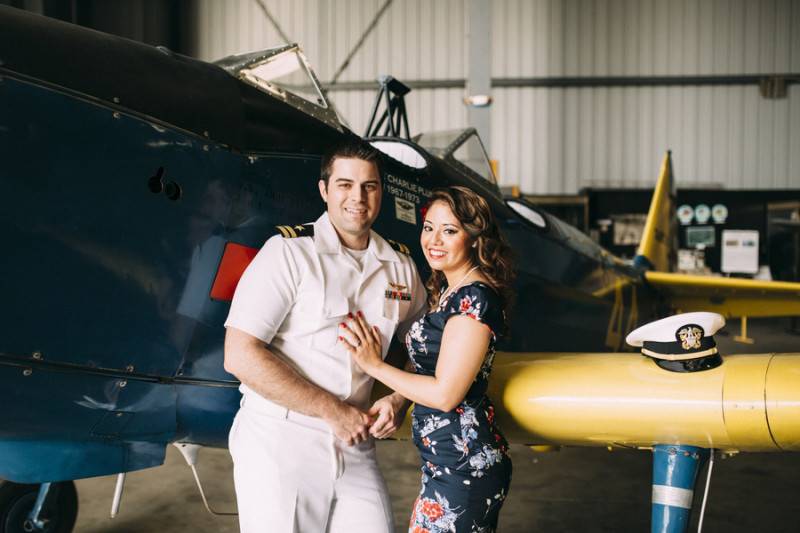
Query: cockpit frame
[448,152]
[245,67]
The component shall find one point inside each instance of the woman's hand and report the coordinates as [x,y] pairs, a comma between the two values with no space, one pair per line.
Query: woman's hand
[363,342]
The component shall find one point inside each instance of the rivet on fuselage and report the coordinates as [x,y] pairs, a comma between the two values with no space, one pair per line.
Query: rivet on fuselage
[122,383]
[129,368]
[27,372]
[116,100]
[115,114]
[37,355]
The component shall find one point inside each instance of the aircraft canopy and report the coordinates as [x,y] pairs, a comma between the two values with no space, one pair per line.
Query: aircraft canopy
[284,73]
[463,147]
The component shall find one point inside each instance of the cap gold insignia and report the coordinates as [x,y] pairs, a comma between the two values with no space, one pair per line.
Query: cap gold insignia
[690,337]
[397,286]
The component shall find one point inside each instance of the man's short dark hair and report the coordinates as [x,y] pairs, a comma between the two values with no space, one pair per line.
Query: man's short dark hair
[349,150]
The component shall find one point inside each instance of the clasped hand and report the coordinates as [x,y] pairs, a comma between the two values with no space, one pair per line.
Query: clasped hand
[362,341]
[351,425]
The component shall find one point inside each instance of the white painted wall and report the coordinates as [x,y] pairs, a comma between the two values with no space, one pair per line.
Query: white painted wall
[559,140]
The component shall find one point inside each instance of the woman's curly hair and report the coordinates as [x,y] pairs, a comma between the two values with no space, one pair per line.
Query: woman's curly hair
[490,253]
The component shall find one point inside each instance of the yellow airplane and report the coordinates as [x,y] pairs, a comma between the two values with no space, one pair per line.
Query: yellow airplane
[749,403]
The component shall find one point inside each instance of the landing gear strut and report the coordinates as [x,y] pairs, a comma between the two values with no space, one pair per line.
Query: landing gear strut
[675,469]
[58,511]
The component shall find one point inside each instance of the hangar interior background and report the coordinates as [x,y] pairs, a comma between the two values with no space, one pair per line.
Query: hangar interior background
[558,120]
[587,97]
[586,93]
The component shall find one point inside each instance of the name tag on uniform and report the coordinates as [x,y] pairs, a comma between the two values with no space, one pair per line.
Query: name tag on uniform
[397,292]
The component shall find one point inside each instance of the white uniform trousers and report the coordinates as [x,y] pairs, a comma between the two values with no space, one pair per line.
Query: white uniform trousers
[293,476]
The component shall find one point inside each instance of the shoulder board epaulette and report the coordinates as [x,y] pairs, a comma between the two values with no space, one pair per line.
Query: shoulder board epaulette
[292,232]
[399,247]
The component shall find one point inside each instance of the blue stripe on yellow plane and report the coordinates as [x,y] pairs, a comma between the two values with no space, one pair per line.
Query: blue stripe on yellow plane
[135,185]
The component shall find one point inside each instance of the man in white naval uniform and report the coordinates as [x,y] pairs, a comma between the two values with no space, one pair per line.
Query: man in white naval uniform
[302,441]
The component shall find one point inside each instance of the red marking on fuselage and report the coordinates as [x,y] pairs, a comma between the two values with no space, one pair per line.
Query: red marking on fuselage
[234,261]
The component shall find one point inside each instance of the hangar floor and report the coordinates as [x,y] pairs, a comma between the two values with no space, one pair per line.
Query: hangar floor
[589,490]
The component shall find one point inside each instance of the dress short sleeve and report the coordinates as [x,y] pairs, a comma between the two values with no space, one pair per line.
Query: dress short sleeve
[477,301]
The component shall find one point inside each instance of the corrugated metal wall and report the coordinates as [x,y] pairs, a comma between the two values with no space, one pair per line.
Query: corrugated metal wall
[559,140]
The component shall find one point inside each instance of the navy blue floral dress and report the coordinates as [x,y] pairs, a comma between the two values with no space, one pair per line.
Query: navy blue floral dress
[466,470]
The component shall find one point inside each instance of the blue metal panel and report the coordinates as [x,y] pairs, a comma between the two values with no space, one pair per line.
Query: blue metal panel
[35,461]
[96,260]
[205,414]
[69,433]
[76,404]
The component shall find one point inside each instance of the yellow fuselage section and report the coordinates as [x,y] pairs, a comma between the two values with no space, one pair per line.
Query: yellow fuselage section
[749,403]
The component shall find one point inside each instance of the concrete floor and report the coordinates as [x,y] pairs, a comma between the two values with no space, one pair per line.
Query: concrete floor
[575,489]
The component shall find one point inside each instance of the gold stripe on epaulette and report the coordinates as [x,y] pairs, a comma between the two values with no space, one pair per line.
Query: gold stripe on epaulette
[292,232]
[399,246]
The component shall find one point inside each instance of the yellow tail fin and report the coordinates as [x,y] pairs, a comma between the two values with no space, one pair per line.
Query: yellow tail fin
[656,250]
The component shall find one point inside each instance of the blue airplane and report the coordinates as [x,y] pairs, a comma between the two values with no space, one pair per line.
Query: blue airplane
[135,186]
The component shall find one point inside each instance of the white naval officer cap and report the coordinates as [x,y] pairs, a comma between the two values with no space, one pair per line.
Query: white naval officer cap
[681,343]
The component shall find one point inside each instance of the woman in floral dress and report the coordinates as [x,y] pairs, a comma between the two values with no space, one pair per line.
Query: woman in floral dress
[466,470]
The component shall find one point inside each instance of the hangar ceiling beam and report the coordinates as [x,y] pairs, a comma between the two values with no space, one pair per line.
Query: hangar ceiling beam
[273,21]
[370,27]
[560,82]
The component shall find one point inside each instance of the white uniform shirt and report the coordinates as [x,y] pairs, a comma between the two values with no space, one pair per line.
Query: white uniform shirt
[297,291]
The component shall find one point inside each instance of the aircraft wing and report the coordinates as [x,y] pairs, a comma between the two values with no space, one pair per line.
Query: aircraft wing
[730,297]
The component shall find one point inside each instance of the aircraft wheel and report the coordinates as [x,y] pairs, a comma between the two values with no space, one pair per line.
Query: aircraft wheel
[17,499]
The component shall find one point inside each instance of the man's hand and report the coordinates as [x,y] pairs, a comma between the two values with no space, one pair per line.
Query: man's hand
[390,412]
[349,424]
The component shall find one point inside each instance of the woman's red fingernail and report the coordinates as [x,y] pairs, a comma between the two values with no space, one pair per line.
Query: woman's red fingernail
[360,314]
[349,315]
